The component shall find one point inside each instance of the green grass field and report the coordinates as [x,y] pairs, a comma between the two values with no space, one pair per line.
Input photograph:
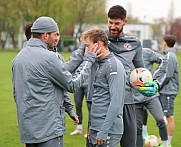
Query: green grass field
[9,133]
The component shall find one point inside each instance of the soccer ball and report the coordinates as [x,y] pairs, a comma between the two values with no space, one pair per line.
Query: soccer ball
[138,76]
[152,141]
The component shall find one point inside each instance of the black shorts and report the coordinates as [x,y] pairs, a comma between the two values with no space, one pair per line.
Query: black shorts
[167,102]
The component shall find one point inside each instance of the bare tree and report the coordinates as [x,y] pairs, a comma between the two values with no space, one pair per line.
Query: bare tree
[86,11]
[14,14]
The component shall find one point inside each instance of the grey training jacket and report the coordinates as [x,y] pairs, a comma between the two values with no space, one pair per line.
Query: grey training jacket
[128,50]
[39,80]
[168,76]
[108,99]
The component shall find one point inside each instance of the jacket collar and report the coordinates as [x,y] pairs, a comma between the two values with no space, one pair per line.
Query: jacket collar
[168,50]
[122,37]
[106,58]
[35,42]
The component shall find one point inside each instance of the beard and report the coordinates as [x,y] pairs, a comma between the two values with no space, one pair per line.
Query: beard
[51,44]
[115,32]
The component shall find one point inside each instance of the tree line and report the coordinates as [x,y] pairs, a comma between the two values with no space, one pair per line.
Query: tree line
[15,14]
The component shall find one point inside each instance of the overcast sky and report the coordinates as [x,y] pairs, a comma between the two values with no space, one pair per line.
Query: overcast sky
[147,10]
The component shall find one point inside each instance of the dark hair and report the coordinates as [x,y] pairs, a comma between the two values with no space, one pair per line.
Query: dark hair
[96,35]
[27,29]
[170,40]
[39,35]
[117,11]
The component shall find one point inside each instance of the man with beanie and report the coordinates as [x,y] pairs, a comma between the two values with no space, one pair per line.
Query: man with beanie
[39,80]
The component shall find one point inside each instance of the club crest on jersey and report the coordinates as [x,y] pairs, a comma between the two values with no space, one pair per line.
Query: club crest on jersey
[127,46]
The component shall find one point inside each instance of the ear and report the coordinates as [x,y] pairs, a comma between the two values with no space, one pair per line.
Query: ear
[125,21]
[164,44]
[100,43]
[46,36]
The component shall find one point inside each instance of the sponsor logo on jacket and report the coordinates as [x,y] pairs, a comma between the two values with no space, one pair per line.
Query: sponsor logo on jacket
[127,46]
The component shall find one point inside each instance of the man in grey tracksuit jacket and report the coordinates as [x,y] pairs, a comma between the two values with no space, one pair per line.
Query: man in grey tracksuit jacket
[151,103]
[108,96]
[128,50]
[108,100]
[44,82]
[169,83]
[39,80]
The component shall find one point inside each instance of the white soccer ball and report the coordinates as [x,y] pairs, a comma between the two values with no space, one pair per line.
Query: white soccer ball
[138,76]
[152,141]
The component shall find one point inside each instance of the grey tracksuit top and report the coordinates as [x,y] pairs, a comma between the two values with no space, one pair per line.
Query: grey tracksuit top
[150,57]
[39,80]
[71,64]
[108,98]
[169,79]
[128,50]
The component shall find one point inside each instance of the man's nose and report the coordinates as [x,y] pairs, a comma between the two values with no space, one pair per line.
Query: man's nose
[113,26]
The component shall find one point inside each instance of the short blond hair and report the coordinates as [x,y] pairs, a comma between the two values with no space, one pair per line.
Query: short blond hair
[96,35]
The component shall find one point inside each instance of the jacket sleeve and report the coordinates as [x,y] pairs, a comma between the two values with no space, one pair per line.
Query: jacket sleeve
[165,70]
[156,57]
[138,59]
[63,78]
[67,103]
[75,59]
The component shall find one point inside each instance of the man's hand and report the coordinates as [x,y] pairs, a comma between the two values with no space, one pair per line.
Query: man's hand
[88,134]
[102,138]
[95,50]
[100,141]
[149,88]
[75,118]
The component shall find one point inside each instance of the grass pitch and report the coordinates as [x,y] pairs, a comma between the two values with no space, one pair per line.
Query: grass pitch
[9,133]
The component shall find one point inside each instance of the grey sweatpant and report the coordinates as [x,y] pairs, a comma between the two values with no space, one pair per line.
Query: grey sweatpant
[55,142]
[154,107]
[112,141]
[129,118]
[78,99]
